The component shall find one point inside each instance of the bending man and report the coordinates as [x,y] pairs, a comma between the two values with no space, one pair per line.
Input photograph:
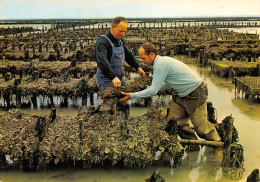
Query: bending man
[192,93]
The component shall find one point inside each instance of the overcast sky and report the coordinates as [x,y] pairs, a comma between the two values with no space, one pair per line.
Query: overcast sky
[52,9]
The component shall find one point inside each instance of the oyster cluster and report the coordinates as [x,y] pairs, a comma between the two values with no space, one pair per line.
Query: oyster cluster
[93,137]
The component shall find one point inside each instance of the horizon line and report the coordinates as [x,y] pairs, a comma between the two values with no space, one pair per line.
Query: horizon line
[100,18]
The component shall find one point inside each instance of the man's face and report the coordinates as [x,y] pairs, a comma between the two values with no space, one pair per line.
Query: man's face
[118,31]
[146,59]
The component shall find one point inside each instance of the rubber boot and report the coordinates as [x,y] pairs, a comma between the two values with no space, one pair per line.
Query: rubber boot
[202,126]
[176,112]
[205,129]
[186,132]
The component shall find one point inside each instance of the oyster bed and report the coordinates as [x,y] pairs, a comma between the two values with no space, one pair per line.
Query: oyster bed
[249,86]
[93,137]
[230,69]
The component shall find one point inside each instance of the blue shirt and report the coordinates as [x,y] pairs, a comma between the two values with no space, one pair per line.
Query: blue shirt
[170,73]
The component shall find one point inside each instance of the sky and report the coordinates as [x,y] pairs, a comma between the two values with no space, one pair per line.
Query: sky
[56,9]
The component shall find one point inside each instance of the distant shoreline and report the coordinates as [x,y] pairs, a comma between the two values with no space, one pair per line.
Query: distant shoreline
[100,20]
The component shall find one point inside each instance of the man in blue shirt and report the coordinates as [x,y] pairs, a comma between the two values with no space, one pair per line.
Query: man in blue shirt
[190,100]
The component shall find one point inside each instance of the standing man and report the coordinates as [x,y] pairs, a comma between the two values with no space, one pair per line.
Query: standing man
[189,103]
[111,54]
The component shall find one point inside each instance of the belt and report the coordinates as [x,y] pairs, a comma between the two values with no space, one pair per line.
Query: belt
[203,85]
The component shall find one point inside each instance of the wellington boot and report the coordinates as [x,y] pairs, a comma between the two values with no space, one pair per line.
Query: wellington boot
[202,126]
[185,132]
[217,153]
[177,112]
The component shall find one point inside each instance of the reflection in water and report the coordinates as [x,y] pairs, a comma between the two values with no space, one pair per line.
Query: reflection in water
[196,166]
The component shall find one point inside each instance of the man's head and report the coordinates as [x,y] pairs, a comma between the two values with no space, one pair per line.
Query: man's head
[119,27]
[147,53]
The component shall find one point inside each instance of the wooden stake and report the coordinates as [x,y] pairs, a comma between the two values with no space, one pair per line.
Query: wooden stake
[201,142]
[227,143]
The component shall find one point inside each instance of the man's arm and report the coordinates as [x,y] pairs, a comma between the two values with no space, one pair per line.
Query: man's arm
[159,76]
[130,58]
[157,83]
[102,61]
[132,61]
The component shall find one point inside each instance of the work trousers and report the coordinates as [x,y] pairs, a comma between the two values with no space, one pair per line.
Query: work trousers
[194,107]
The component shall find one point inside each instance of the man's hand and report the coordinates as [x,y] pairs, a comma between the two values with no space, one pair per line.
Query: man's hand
[116,82]
[127,97]
[141,72]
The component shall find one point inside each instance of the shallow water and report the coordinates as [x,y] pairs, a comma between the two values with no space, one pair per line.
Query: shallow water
[196,166]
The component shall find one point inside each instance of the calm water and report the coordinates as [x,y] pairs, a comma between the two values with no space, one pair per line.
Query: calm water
[197,166]
[252,30]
